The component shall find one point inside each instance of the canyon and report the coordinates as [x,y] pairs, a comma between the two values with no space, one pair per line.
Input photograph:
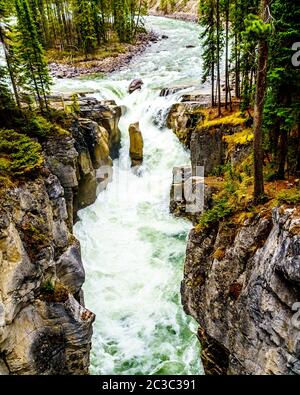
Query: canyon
[83,254]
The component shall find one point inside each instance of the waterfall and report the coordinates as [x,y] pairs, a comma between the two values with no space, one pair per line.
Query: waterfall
[133,249]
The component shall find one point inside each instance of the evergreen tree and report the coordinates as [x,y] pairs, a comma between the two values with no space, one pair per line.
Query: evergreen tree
[84,17]
[209,43]
[32,54]
[4,39]
[282,110]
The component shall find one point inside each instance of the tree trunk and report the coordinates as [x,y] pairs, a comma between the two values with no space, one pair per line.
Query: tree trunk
[282,155]
[218,58]
[10,71]
[237,68]
[213,85]
[261,87]
[227,87]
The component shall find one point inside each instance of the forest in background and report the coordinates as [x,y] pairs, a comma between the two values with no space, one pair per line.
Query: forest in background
[77,26]
[251,43]
[255,38]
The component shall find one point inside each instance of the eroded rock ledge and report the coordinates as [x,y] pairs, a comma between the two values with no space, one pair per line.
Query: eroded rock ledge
[44,326]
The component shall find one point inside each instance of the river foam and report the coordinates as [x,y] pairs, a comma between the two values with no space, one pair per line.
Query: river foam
[133,249]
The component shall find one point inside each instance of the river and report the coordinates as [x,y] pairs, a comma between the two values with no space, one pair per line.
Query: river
[133,249]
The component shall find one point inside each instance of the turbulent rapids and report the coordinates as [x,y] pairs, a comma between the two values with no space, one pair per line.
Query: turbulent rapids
[133,249]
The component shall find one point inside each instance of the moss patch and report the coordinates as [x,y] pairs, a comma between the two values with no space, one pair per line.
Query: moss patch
[54,292]
[219,254]
[35,237]
[289,196]
[40,127]
[221,209]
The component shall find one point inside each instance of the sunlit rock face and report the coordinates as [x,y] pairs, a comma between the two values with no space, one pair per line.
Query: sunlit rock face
[241,284]
[136,144]
[94,141]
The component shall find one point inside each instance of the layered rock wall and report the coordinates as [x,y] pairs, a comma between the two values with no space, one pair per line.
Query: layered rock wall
[44,326]
[242,284]
[241,275]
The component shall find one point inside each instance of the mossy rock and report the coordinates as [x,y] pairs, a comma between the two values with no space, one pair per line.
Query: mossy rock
[40,127]
[19,154]
[35,236]
[54,292]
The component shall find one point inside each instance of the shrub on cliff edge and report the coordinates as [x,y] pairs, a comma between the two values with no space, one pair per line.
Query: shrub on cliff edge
[19,154]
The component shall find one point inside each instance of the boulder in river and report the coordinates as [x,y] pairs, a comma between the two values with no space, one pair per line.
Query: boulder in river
[136,144]
[135,85]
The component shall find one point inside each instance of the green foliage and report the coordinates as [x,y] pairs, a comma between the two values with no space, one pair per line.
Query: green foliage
[256,29]
[84,18]
[221,170]
[282,109]
[48,287]
[289,196]
[19,155]
[38,126]
[31,54]
[83,25]
[220,210]
[75,104]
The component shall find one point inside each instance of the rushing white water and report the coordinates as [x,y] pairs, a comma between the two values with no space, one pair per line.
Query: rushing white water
[133,249]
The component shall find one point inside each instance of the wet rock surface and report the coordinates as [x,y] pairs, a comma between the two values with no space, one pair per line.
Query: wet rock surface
[136,144]
[78,160]
[183,118]
[135,85]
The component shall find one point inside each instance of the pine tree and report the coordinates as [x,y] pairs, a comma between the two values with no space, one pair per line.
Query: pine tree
[4,39]
[84,17]
[32,54]
[209,43]
[282,110]
[259,29]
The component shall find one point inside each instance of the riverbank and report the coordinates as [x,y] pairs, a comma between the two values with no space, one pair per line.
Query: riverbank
[105,61]
[186,10]
[180,16]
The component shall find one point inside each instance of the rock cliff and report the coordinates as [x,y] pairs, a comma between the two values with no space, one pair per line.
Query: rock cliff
[241,283]
[44,326]
[241,275]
